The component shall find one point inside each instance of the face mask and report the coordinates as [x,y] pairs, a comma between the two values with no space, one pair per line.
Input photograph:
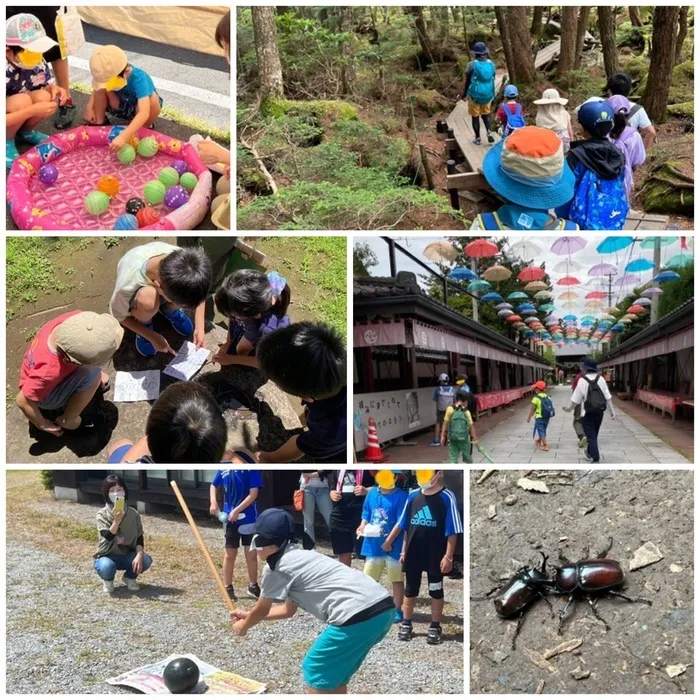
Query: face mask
[385,479]
[113,496]
[115,84]
[29,59]
[424,477]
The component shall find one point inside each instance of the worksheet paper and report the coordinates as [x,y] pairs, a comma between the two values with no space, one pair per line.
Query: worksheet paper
[187,362]
[137,386]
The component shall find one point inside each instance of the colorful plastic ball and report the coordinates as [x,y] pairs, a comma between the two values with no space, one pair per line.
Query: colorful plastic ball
[126,222]
[109,185]
[134,141]
[189,181]
[147,217]
[154,191]
[180,166]
[176,196]
[48,174]
[148,147]
[96,203]
[134,205]
[126,155]
[169,176]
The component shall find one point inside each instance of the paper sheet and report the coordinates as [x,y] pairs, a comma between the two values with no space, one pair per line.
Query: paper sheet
[187,362]
[137,386]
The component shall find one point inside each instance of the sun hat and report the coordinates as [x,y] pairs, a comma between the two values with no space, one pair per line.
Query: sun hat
[551,97]
[26,31]
[528,168]
[105,63]
[89,338]
[480,49]
[540,385]
[597,117]
[590,364]
[511,91]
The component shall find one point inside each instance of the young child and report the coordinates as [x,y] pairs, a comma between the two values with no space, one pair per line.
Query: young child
[627,139]
[61,368]
[159,277]
[541,407]
[308,360]
[480,89]
[552,115]
[241,488]
[122,90]
[431,522]
[600,202]
[348,490]
[30,93]
[459,427]
[381,511]
[255,304]
[444,396]
[510,114]
[358,611]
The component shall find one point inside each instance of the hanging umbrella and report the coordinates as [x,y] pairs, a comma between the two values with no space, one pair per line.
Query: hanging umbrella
[636,309]
[642,301]
[567,266]
[478,286]
[663,241]
[612,310]
[652,292]
[625,279]
[607,317]
[505,312]
[531,274]
[513,318]
[682,260]
[570,304]
[546,308]
[566,245]
[569,318]
[602,270]
[536,286]
[532,319]
[666,276]
[568,295]
[440,251]
[504,305]
[462,273]
[492,296]
[543,294]
[596,295]
[514,296]
[481,248]
[526,249]
[611,244]
[594,304]
[568,281]
[497,273]
[639,265]
[632,317]
[525,307]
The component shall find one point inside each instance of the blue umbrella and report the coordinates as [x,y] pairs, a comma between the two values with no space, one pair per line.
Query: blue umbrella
[492,296]
[639,265]
[462,273]
[569,318]
[478,286]
[514,296]
[611,244]
[504,305]
[546,307]
[666,276]
[526,308]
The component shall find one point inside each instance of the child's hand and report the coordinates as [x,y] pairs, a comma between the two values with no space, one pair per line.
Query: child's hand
[443,441]
[118,142]
[44,109]
[90,115]
[239,629]
[213,509]
[359,531]
[209,152]
[445,565]
[528,419]
[233,516]
[199,338]
[336,496]
[50,427]
[159,342]
[56,91]
[239,615]
[222,358]
[475,441]
[386,546]
[360,491]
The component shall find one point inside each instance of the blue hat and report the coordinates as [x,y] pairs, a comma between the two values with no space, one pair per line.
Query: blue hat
[590,363]
[511,91]
[597,117]
[480,49]
[273,523]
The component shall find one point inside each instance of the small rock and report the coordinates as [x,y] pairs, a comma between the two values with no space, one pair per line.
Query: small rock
[499,656]
[492,512]
[652,587]
[510,500]
[675,569]
[676,670]
[579,674]
[588,510]
[576,652]
[560,511]
[647,554]
[563,539]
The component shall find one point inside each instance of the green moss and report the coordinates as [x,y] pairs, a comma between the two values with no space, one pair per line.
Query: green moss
[332,109]
[428,101]
[683,109]
[682,83]
[637,68]
[667,193]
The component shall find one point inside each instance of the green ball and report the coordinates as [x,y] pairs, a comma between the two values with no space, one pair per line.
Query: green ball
[154,191]
[148,147]
[96,203]
[188,181]
[168,176]
[126,155]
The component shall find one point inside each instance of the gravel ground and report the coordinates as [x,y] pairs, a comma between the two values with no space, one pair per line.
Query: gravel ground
[583,509]
[81,636]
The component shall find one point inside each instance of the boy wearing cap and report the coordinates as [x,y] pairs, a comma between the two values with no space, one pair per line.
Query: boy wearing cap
[510,114]
[480,90]
[122,90]
[541,407]
[61,368]
[358,611]
[444,396]
[30,94]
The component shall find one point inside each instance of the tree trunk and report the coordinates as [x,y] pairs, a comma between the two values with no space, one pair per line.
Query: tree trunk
[464,31]
[581,35]
[635,16]
[606,24]
[269,66]
[521,45]
[419,23]
[661,58]
[569,27]
[682,33]
[537,16]
[502,22]
[347,70]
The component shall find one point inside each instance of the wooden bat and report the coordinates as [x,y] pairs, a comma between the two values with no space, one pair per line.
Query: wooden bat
[203,547]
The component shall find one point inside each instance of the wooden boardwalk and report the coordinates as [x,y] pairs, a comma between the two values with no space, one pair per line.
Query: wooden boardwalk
[641,221]
[461,123]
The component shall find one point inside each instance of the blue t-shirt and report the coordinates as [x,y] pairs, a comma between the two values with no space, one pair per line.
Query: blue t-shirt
[444,395]
[237,484]
[326,420]
[139,84]
[383,510]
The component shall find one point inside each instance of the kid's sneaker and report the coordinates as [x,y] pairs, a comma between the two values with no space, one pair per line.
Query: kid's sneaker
[490,138]
[11,153]
[434,443]
[434,634]
[405,631]
[145,347]
[254,590]
[180,321]
[131,584]
[398,617]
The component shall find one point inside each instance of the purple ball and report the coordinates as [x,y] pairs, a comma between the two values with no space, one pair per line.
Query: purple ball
[180,166]
[48,174]
[176,196]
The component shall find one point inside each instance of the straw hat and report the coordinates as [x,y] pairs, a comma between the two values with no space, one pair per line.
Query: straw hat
[551,97]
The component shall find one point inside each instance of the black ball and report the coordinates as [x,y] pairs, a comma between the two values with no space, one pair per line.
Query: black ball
[181,675]
[134,204]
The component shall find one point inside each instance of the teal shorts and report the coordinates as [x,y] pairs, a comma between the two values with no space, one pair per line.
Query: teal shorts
[337,654]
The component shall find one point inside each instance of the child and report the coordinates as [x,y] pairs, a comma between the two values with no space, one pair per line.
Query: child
[61,368]
[600,201]
[444,396]
[122,90]
[542,408]
[241,488]
[459,426]
[308,360]
[348,490]
[627,139]
[30,95]
[161,277]
[431,522]
[357,610]
[255,304]
[510,113]
[480,89]
[383,505]
[552,115]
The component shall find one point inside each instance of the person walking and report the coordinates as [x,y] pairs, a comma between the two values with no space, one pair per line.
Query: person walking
[593,395]
[582,440]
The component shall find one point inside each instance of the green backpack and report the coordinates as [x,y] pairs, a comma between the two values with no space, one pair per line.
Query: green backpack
[458,429]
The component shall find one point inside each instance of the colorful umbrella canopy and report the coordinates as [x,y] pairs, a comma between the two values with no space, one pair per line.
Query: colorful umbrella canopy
[513,318]
[492,296]
[568,295]
[566,245]
[532,319]
[546,308]
[596,295]
[505,312]
[543,294]
[625,279]
[639,265]
[570,317]
[514,296]
[478,286]
[636,309]
[594,304]
[535,286]
[526,249]
[504,305]
[568,281]
[682,260]
[642,301]
[462,273]
[526,307]
[570,304]
[497,273]
[481,248]
[567,266]
[612,310]
[663,241]
[440,251]
[611,244]
[531,274]
[602,270]
[652,292]
[666,276]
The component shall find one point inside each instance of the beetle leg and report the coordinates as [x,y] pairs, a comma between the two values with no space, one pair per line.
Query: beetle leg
[563,558]
[546,600]
[604,553]
[628,599]
[594,608]
[564,611]
[521,619]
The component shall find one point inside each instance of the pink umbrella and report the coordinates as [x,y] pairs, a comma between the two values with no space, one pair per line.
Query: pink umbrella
[602,270]
[596,295]
[568,281]
[481,248]
[566,245]
[636,309]
[531,274]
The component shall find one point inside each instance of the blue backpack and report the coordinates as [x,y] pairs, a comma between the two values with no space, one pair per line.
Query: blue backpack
[482,88]
[599,205]
[547,407]
[514,121]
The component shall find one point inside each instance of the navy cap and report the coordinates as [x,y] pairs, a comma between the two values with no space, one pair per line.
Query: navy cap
[480,49]
[589,363]
[596,117]
[273,523]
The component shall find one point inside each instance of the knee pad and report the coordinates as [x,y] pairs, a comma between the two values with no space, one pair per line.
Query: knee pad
[436,590]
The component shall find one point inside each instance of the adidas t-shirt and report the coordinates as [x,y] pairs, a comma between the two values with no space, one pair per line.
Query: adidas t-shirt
[428,521]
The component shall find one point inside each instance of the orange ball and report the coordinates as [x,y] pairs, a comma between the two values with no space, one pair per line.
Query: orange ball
[147,217]
[134,141]
[109,185]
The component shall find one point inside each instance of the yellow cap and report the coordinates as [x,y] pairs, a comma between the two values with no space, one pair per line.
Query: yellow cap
[105,63]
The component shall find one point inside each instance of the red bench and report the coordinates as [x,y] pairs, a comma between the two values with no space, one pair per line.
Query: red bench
[486,402]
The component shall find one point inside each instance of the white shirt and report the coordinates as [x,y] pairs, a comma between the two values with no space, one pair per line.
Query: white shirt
[581,392]
[639,120]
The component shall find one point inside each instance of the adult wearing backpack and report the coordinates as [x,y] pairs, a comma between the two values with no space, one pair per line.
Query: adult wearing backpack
[458,426]
[480,90]
[542,408]
[593,395]
[510,114]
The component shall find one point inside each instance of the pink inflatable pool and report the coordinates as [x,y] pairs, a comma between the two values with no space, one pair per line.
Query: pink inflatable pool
[82,157]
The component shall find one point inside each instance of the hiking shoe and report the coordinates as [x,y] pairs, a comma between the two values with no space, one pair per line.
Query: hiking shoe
[131,584]
[476,141]
[145,347]
[254,590]
[545,447]
[398,617]
[65,115]
[231,594]
[588,457]
[490,138]
[108,586]
[434,443]
[583,442]
[434,635]
[180,322]
[537,442]
[11,153]
[405,631]
[32,137]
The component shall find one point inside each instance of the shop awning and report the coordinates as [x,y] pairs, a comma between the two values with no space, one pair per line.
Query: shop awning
[678,341]
[369,334]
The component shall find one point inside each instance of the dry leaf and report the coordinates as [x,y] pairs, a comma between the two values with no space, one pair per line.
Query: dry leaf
[676,670]
[531,485]
[647,554]
[539,661]
[487,473]
[540,687]
[563,648]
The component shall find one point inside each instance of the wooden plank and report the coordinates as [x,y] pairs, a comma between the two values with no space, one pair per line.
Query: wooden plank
[460,122]
[467,181]
[640,221]
[545,55]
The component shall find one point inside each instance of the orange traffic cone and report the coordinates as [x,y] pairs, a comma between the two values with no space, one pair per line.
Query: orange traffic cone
[373,453]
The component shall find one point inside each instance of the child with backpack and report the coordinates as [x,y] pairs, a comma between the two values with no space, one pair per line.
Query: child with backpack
[458,426]
[552,115]
[480,90]
[543,409]
[600,202]
[510,114]
[627,139]
[444,396]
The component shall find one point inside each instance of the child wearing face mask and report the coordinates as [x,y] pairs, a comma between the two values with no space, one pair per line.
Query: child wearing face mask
[120,537]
